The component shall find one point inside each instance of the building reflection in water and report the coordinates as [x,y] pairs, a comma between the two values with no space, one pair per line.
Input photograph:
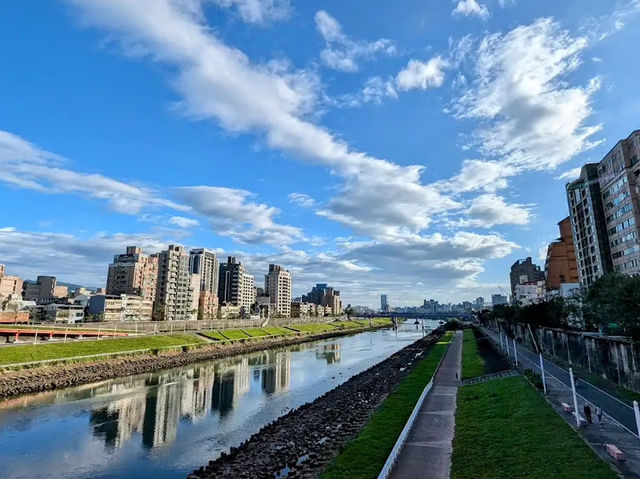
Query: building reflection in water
[329,352]
[154,406]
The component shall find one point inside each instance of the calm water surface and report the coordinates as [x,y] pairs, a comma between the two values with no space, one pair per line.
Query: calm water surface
[168,423]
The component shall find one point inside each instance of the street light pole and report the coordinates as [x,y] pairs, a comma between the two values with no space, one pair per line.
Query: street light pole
[575,397]
[544,381]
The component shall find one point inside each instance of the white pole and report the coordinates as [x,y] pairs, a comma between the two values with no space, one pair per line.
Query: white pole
[568,354]
[636,410]
[515,351]
[65,334]
[544,381]
[575,397]
[35,338]
[501,341]
[507,341]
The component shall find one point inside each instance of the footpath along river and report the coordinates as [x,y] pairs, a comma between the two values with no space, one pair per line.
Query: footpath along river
[165,424]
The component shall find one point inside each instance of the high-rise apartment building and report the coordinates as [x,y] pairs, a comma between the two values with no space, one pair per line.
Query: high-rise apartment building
[205,264]
[133,273]
[324,295]
[524,271]
[177,289]
[618,177]
[384,304]
[588,225]
[277,284]
[235,287]
[561,265]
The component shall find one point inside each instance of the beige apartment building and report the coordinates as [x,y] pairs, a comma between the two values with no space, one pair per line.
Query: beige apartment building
[10,286]
[44,290]
[177,291]
[133,273]
[119,308]
[277,285]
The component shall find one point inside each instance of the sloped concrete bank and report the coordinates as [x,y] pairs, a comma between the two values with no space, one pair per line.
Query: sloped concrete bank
[47,378]
[301,443]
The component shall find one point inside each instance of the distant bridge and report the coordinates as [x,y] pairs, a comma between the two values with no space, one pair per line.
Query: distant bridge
[437,316]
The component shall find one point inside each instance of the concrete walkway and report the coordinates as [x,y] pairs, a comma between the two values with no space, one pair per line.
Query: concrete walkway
[596,435]
[427,452]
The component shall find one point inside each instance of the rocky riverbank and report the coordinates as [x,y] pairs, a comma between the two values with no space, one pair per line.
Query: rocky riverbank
[301,443]
[50,377]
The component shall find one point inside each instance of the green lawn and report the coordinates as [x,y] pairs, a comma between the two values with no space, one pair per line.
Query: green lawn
[213,335]
[234,334]
[505,429]
[472,363]
[27,353]
[313,328]
[276,331]
[365,455]
[256,332]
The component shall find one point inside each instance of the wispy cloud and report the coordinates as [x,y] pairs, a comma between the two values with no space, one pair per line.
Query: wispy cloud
[342,53]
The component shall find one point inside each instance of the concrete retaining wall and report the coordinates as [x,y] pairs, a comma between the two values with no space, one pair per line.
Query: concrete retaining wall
[614,358]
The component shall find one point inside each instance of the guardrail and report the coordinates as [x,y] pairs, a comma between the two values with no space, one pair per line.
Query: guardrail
[397,447]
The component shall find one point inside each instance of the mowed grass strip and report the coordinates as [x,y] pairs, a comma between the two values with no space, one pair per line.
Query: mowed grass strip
[314,328]
[505,429]
[256,332]
[365,455]
[234,334]
[41,352]
[472,363]
[276,331]
[213,335]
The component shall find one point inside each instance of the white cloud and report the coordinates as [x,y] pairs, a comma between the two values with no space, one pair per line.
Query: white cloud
[24,165]
[342,53]
[421,75]
[80,260]
[570,175]
[489,210]
[416,75]
[469,8]
[219,82]
[259,12]
[183,222]
[231,213]
[534,119]
[476,175]
[302,199]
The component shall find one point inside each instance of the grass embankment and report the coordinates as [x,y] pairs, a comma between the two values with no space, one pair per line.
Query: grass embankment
[505,429]
[365,455]
[61,351]
[41,352]
[472,364]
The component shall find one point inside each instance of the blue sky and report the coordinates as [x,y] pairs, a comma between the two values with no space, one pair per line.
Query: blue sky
[415,150]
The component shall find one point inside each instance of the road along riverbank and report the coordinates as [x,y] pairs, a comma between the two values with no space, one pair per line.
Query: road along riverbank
[50,377]
[302,442]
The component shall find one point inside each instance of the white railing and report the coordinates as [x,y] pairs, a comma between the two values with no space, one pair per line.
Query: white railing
[397,447]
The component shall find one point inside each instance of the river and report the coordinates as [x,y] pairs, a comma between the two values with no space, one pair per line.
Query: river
[168,423]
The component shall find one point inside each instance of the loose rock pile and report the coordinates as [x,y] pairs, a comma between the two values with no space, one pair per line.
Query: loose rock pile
[51,377]
[301,443]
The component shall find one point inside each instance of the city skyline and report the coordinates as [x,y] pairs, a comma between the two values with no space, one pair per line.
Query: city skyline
[131,138]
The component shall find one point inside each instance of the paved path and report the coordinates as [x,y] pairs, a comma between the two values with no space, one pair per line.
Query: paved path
[600,433]
[619,410]
[427,452]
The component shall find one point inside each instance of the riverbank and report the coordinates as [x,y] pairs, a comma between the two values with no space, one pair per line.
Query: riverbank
[504,428]
[302,442]
[57,376]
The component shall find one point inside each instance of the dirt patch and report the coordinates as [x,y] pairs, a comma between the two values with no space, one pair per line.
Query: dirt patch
[301,443]
[494,361]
